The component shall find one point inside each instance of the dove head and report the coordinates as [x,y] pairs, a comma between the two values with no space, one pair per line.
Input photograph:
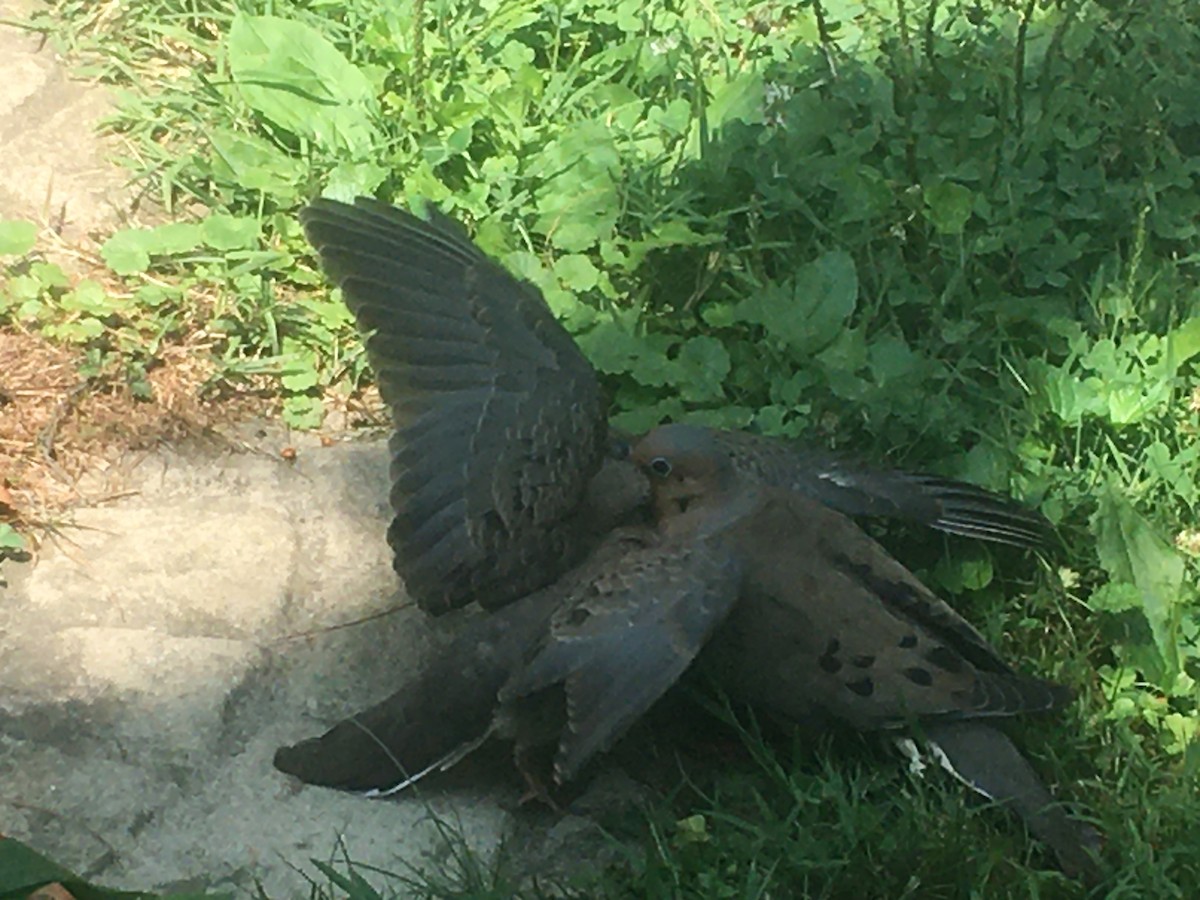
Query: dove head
[685,466]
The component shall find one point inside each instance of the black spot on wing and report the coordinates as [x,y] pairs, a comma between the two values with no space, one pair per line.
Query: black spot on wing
[828,661]
[864,687]
[926,612]
[920,676]
[945,659]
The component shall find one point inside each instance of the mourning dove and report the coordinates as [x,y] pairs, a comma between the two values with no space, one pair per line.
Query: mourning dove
[503,470]
[828,623]
[789,606]
[567,669]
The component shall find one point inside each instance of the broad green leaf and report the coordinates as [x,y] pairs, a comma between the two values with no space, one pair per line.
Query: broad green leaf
[1128,404]
[303,412]
[740,98]
[1115,597]
[16,237]
[128,252]
[349,179]
[291,74]
[89,297]
[674,233]
[1183,730]
[703,363]
[577,272]
[22,292]
[890,359]
[781,421]
[49,275]
[737,417]
[10,539]
[578,204]
[810,310]
[299,378]
[225,232]
[1131,552]
[613,349]
[124,254]
[674,117]
[420,182]
[987,465]
[1184,342]
[720,315]
[948,206]
[644,418]
[77,331]
[973,574]
[171,238]
[1066,394]
[255,164]
[841,362]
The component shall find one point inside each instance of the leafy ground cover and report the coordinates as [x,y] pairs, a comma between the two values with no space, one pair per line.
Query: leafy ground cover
[958,236]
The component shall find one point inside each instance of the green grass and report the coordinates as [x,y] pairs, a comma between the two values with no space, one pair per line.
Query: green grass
[955,236]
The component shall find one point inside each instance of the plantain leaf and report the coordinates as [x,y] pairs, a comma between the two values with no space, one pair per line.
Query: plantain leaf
[1132,553]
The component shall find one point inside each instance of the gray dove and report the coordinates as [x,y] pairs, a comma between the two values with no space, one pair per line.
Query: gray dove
[566,670]
[828,623]
[785,602]
[504,472]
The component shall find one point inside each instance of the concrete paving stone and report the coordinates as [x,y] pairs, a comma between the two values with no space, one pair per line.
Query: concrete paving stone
[202,568]
[86,663]
[25,76]
[79,810]
[155,656]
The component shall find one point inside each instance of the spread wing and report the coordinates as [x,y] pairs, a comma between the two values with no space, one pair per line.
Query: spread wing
[947,505]
[499,418]
[623,638]
[829,621]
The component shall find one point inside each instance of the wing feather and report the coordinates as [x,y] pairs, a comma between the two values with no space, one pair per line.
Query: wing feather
[499,418]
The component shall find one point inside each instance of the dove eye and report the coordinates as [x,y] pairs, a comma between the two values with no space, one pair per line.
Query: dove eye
[660,466]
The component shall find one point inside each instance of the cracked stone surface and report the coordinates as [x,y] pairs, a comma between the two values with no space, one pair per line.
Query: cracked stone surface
[162,646]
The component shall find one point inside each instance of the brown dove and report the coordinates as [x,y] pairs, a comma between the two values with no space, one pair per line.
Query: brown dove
[828,623]
[790,608]
[566,670]
[504,474]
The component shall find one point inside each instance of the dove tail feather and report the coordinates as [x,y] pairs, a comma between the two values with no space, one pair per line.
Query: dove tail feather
[432,722]
[986,760]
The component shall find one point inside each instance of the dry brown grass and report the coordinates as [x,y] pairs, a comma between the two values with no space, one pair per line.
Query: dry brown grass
[60,431]
[56,426]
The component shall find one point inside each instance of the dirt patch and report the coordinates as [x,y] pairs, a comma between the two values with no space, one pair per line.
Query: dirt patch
[56,426]
[66,440]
